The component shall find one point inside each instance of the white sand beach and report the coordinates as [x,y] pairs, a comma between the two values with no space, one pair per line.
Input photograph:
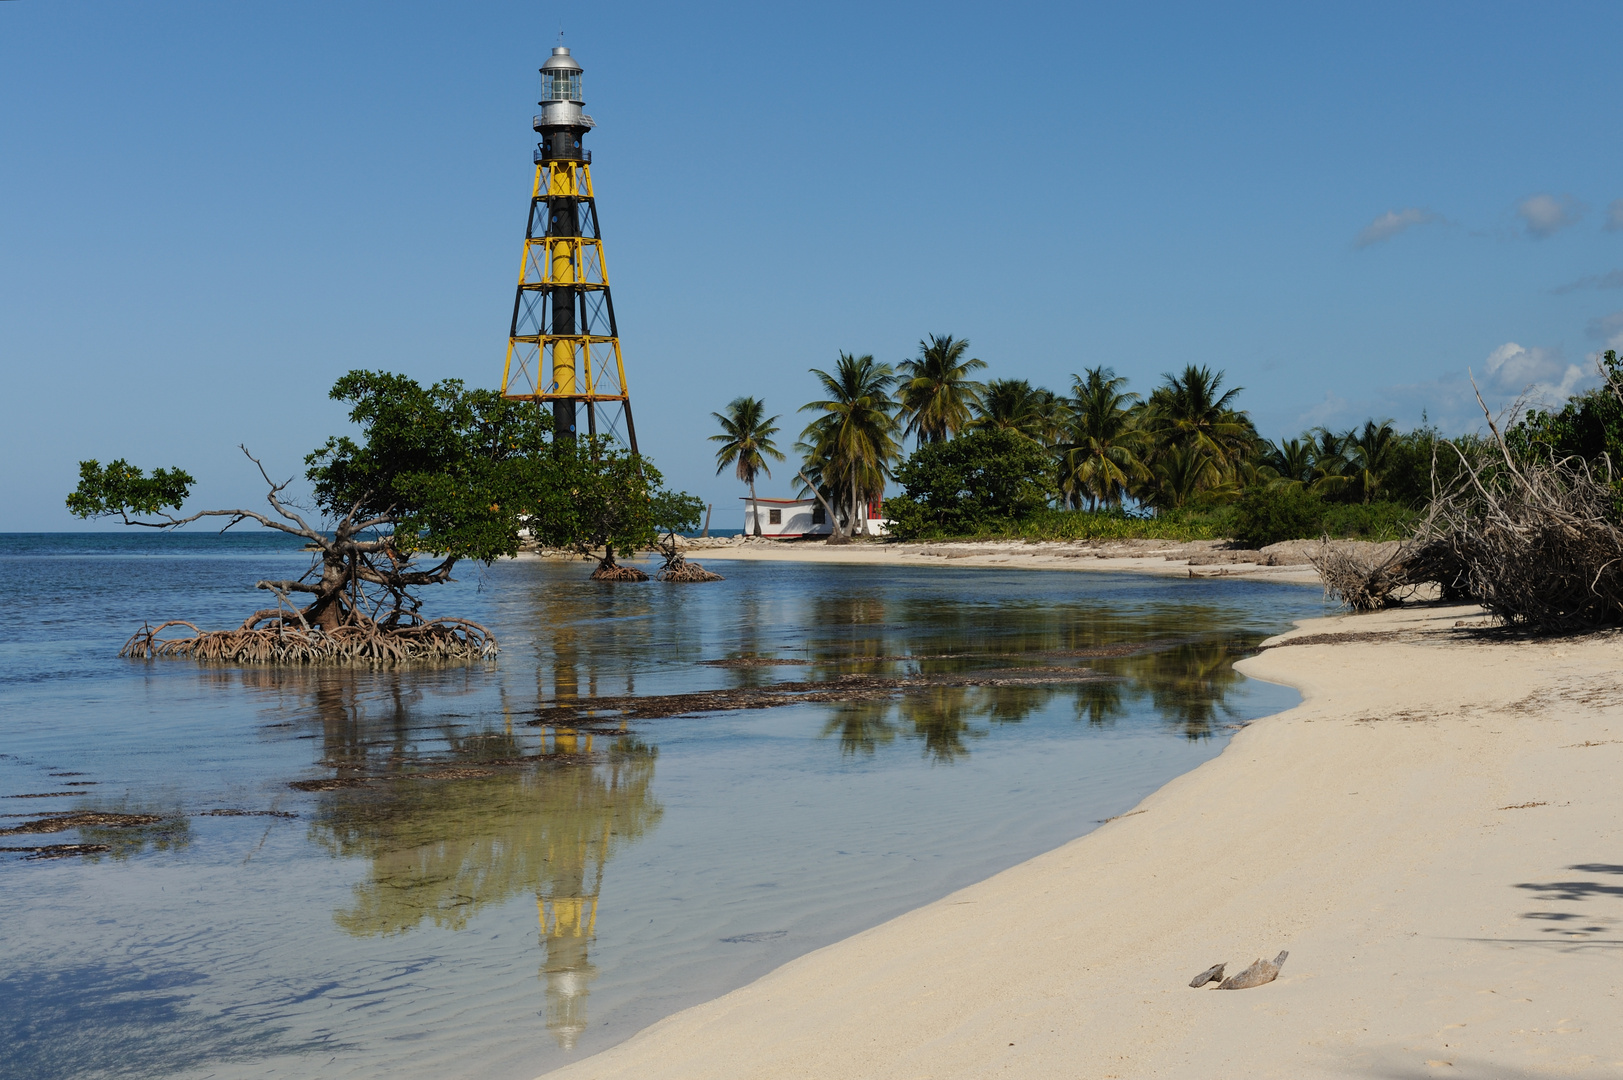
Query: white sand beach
[1435,834]
[1199,558]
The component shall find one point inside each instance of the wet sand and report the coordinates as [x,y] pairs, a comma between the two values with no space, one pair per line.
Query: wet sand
[1434,834]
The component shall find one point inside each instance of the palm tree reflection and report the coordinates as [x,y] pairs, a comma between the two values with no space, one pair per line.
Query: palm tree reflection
[941,717]
[1099,703]
[862,726]
[1188,684]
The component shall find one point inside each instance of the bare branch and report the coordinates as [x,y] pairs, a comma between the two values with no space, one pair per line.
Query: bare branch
[277,503]
[289,586]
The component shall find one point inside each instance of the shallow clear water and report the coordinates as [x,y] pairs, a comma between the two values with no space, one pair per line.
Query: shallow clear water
[482,875]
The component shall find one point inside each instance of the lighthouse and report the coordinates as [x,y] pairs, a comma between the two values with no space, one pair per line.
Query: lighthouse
[563,347]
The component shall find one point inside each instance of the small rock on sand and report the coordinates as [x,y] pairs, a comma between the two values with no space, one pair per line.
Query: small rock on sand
[1263,971]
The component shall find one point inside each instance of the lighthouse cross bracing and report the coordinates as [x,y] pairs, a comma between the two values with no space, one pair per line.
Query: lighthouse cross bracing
[563,346]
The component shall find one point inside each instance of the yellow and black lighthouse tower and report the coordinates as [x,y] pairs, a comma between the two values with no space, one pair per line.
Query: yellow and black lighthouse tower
[563,347]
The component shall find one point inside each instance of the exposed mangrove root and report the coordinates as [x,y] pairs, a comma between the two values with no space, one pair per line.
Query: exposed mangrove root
[286,642]
[609,571]
[677,568]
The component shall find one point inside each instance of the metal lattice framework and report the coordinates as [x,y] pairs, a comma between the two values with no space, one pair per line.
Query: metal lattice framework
[563,346]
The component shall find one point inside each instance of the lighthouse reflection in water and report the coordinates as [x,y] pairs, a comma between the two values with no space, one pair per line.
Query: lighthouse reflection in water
[477,821]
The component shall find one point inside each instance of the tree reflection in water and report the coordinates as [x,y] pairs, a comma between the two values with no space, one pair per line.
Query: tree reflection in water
[1175,660]
[940,716]
[1189,684]
[862,726]
[477,819]
[1099,703]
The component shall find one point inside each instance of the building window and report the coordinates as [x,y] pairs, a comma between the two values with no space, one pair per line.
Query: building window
[774,516]
[818,517]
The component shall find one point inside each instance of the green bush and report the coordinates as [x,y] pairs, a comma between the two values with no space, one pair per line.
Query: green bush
[1290,512]
[1065,526]
[983,480]
[1369,521]
[1268,515]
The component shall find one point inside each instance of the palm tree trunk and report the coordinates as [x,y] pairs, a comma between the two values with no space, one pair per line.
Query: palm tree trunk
[828,508]
[755,510]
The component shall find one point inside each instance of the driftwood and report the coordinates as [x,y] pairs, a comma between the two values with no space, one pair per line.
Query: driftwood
[1211,974]
[1263,971]
[1367,582]
[1534,539]
[287,642]
[1361,583]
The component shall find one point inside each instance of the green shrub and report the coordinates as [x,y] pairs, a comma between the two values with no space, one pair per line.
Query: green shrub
[1066,526]
[1369,521]
[1290,512]
[1268,515]
[983,480]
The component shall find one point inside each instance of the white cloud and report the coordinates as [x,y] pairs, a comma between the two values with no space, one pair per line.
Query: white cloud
[1393,222]
[1545,215]
[1614,215]
[1538,374]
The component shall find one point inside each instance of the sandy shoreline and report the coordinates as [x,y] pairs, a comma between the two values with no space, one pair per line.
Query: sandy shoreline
[1201,558]
[1434,834]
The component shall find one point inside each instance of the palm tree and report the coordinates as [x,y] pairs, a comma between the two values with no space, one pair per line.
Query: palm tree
[1100,456]
[1192,410]
[1181,473]
[1290,459]
[1331,466]
[1015,405]
[935,391]
[746,443]
[1369,456]
[850,446]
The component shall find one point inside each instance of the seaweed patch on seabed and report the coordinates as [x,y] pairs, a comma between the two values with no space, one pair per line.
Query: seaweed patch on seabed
[1097,652]
[441,772]
[101,832]
[234,812]
[76,819]
[842,689]
[58,851]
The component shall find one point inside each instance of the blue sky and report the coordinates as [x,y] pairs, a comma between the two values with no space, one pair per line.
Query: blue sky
[210,211]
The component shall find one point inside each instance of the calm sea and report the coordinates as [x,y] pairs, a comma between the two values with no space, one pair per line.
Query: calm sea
[489,871]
